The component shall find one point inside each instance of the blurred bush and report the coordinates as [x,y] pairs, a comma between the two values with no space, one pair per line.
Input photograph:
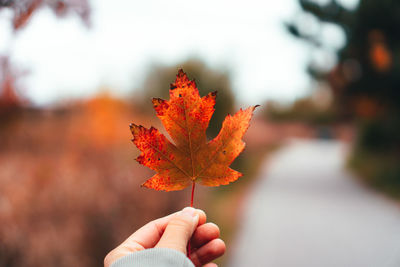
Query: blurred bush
[304,110]
[207,80]
[376,155]
[365,81]
[69,185]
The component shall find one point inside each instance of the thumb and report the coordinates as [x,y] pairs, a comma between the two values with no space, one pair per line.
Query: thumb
[179,230]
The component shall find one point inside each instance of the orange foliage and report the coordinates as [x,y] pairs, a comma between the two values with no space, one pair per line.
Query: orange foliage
[105,119]
[381,57]
[366,107]
[191,158]
[379,53]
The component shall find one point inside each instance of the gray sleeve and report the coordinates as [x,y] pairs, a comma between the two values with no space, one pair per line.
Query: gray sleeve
[154,257]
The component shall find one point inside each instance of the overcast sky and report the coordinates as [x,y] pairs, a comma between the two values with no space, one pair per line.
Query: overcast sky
[67,60]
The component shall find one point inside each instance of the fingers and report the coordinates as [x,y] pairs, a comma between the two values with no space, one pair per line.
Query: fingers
[209,252]
[179,230]
[146,237]
[204,234]
[149,235]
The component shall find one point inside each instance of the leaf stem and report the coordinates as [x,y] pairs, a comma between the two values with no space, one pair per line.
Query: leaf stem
[191,205]
[191,199]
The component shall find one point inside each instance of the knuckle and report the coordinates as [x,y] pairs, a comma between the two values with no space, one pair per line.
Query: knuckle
[180,222]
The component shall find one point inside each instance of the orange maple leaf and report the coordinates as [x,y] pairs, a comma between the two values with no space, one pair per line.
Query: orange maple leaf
[191,158]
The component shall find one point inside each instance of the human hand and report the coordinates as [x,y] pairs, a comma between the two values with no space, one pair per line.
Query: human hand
[174,231]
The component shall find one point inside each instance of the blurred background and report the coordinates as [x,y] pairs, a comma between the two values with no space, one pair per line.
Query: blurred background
[321,182]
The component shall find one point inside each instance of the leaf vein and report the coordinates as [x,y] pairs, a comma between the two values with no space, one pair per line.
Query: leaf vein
[166,157]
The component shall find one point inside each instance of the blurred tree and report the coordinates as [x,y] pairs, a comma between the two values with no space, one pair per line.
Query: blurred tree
[207,79]
[8,93]
[22,11]
[366,79]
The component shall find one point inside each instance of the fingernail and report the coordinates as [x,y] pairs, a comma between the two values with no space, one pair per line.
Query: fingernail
[189,211]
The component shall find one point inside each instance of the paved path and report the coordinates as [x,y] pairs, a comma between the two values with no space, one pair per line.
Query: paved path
[306,211]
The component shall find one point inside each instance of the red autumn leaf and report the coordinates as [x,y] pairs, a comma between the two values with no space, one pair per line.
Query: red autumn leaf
[191,158]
